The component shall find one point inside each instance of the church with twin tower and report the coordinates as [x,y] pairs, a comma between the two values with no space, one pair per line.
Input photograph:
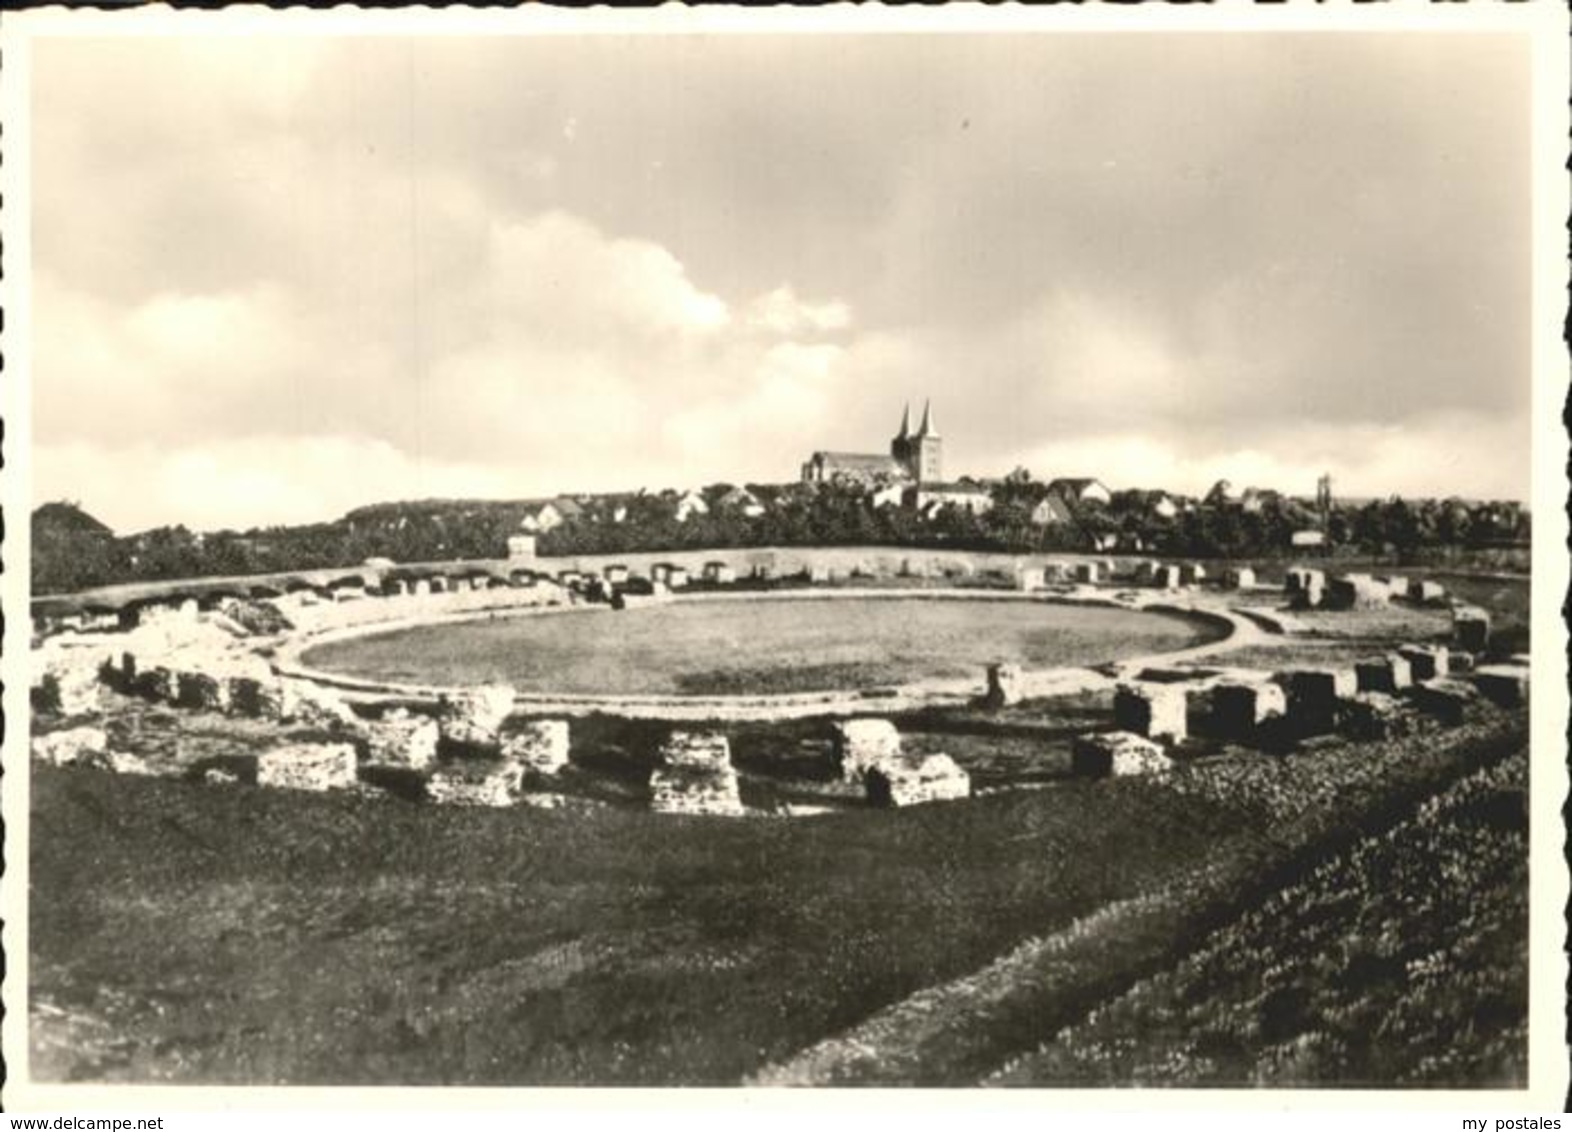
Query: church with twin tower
[915,457]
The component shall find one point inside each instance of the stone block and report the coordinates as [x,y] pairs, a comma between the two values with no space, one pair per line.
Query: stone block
[1313,696]
[1355,591]
[1238,709]
[861,744]
[308,766]
[1425,662]
[911,780]
[489,782]
[1470,629]
[1167,577]
[1239,578]
[1117,753]
[401,739]
[538,744]
[473,718]
[690,789]
[1506,685]
[1192,574]
[1387,674]
[1426,593]
[71,747]
[1297,579]
[1153,711]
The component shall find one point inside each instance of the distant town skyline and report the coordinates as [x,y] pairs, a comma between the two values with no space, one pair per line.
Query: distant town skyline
[342,271]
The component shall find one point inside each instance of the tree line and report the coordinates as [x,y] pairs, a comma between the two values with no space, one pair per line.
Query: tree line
[72,551]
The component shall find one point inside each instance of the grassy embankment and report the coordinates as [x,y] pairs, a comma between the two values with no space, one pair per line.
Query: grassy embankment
[1401,961]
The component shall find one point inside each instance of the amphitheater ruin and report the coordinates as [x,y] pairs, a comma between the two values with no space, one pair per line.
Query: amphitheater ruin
[234,654]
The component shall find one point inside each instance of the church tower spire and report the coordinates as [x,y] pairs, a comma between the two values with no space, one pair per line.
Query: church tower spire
[926,449]
[906,423]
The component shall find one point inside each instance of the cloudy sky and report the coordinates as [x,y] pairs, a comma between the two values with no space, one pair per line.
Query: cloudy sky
[274,279]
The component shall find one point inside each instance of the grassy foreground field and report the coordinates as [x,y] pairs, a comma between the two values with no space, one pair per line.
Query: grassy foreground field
[227,934]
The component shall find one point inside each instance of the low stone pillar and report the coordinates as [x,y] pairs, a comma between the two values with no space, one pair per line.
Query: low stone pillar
[473,718]
[1154,711]
[401,739]
[1425,662]
[1239,578]
[538,744]
[1087,572]
[1470,629]
[912,780]
[1167,577]
[861,744]
[1355,591]
[1004,685]
[1313,697]
[1192,574]
[1426,593]
[1117,753]
[1506,685]
[1238,709]
[1388,674]
[308,766]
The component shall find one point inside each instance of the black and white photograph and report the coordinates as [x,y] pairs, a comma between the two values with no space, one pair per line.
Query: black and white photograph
[947,549]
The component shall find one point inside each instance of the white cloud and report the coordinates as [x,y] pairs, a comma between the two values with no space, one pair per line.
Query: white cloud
[782,312]
[559,275]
